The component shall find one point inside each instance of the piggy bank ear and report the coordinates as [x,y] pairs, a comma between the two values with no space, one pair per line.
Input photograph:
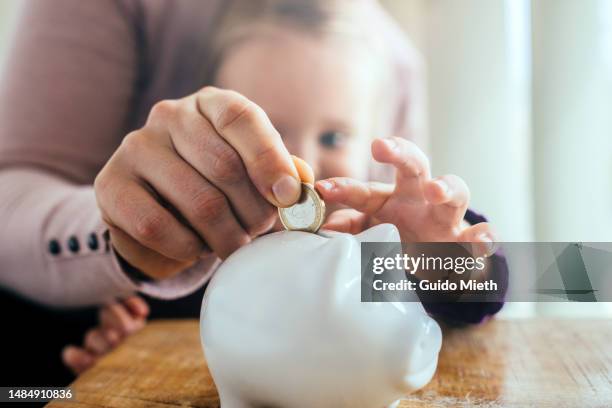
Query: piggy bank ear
[380,233]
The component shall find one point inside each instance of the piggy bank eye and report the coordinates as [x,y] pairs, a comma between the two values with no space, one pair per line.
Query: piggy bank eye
[332,139]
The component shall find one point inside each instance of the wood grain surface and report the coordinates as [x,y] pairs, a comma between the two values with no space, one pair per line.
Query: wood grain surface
[520,363]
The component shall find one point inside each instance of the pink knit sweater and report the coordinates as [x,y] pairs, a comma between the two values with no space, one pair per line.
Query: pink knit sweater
[79,77]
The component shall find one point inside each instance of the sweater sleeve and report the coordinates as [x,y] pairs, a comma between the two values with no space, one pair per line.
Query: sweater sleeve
[54,248]
[67,93]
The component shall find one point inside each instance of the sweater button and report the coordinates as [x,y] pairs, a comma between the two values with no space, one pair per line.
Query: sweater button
[54,247]
[92,241]
[73,244]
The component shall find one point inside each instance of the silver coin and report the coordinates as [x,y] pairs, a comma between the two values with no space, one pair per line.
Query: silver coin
[305,215]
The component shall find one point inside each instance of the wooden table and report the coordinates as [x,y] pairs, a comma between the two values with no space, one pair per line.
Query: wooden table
[542,363]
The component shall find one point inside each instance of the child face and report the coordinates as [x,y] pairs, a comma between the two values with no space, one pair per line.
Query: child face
[318,93]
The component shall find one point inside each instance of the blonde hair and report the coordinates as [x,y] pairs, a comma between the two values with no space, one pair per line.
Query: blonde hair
[241,19]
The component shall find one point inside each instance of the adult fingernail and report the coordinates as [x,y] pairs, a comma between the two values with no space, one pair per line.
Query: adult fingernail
[391,143]
[286,190]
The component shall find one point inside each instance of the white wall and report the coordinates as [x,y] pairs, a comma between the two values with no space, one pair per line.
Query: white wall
[572,121]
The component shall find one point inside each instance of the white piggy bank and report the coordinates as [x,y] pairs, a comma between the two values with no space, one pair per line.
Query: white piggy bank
[283,325]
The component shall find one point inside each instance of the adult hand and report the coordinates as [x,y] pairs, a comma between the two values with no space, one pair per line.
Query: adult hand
[204,174]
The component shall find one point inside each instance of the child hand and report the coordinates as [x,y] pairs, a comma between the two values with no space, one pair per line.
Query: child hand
[423,209]
[117,321]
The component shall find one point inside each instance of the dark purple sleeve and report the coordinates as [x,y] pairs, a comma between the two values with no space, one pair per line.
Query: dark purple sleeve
[460,313]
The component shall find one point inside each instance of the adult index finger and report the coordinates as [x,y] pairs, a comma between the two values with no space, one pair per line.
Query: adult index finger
[246,127]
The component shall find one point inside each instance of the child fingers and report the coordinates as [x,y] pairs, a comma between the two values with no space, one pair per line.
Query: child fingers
[77,359]
[116,316]
[410,161]
[96,342]
[366,197]
[346,220]
[481,238]
[137,306]
[450,196]
[112,336]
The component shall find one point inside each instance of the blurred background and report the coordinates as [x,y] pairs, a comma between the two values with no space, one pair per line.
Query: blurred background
[520,106]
